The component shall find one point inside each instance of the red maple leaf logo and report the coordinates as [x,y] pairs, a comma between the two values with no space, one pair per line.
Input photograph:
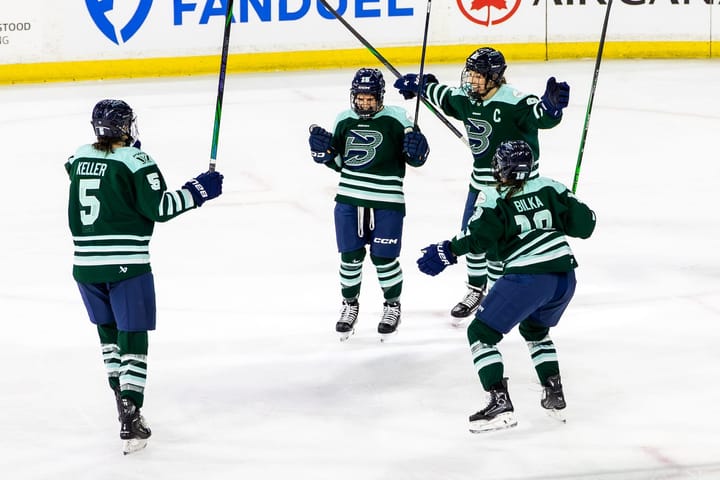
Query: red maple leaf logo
[478,4]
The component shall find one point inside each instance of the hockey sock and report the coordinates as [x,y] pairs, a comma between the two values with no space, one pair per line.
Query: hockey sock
[389,275]
[111,353]
[477,269]
[133,365]
[494,271]
[485,354]
[542,350]
[351,273]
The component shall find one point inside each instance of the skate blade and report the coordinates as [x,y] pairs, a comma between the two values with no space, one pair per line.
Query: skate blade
[458,322]
[556,415]
[344,336]
[386,337]
[501,422]
[134,445]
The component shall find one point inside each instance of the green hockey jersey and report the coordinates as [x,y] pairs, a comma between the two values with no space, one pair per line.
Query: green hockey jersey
[528,230]
[508,115]
[114,201]
[370,158]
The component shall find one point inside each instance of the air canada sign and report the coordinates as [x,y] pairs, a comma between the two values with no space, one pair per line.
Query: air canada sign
[488,12]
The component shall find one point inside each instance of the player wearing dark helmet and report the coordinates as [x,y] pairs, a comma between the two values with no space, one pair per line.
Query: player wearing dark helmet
[114,121]
[370,146]
[493,112]
[525,220]
[484,70]
[116,195]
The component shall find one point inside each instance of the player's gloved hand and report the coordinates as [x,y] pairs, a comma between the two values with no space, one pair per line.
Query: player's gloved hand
[415,146]
[321,144]
[435,258]
[137,143]
[409,84]
[204,187]
[555,98]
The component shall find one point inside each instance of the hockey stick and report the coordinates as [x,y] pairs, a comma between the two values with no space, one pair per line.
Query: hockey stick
[389,66]
[421,83]
[592,96]
[221,86]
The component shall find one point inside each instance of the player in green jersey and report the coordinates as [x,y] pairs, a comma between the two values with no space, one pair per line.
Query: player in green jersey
[493,112]
[370,146]
[525,221]
[117,193]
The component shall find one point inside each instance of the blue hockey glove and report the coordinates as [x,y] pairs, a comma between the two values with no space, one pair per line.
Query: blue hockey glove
[204,187]
[435,258]
[409,84]
[415,146]
[555,98]
[321,144]
[137,144]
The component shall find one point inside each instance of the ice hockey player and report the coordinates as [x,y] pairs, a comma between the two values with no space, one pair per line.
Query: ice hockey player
[493,112]
[525,221]
[117,193]
[370,145]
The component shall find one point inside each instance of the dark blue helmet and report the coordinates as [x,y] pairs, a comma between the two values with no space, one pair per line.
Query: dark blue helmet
[114,119]
[367,80]
[512,163]
[488,62]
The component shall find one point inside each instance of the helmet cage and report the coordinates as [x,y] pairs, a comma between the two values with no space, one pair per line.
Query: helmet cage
[367,81]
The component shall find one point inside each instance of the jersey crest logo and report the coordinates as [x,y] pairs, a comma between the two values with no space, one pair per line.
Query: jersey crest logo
[478,131]
[361,147]
[101,9]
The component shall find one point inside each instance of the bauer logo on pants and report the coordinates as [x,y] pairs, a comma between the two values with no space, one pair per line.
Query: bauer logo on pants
[112,22]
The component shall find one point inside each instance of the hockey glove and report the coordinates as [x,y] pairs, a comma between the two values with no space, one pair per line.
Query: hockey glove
[409,84]
[204,187]
[321,144]
[415,146]
[555,98]
[435,258]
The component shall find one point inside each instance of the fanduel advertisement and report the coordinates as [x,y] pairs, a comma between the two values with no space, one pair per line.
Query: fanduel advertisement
[120,21]
[37,31]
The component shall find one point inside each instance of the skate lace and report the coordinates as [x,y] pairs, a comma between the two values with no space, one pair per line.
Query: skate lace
[472,297]
[497,404]
[391,314]
[349,313]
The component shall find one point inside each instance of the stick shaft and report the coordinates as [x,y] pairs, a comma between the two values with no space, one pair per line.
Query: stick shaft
[421,83]
[583,137]
[221,86]
[389,66]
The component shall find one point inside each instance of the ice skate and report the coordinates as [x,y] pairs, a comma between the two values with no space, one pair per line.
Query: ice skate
[345,327]
[134,432]
[553,399]
[498,414]
[468,305]
[390,320]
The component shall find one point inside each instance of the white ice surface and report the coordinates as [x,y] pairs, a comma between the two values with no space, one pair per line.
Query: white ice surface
[247,379]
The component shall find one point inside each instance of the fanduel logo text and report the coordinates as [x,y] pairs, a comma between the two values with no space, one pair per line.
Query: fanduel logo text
[281,10]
